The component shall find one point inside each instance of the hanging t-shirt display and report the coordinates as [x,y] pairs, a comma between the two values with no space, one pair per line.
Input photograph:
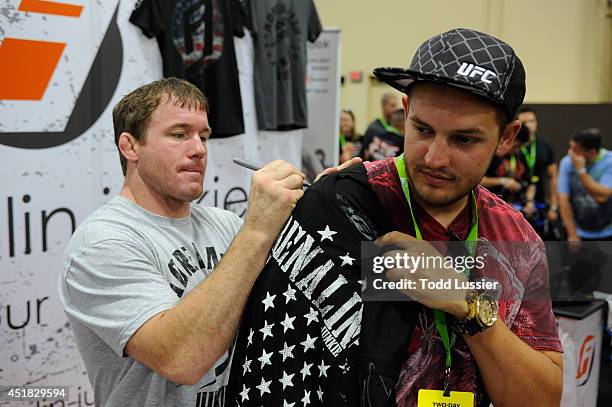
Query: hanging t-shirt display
[280,30]
[195,38]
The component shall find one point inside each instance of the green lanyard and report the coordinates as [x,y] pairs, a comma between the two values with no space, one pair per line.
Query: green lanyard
[342,140]
[471,243]
[388,127]
[530,157]
[512,165]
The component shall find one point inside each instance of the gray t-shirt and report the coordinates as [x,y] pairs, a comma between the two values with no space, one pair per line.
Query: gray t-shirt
[124,265]
[280,30]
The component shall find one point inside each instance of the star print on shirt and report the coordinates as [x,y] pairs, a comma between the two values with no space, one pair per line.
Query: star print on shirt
[287,351]
[265,358]
[323,369]
[306,398]
[268,302]
[246,366]
[306,370]
[250,338]
[326,233]
[244,393]
[286,379]
[264,387]
[347,260]
[266,330]
[308,343]
[289,294]
[311,316]
[287,323]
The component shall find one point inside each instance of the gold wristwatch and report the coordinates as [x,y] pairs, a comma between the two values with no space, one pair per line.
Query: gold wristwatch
[482,314]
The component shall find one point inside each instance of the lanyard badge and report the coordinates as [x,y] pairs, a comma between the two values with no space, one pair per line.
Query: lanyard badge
[446,397]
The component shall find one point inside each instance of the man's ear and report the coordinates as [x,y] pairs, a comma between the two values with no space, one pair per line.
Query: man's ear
[406,104]
[128,147]
[507,138]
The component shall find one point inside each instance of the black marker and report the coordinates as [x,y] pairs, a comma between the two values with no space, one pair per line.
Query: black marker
[252,166]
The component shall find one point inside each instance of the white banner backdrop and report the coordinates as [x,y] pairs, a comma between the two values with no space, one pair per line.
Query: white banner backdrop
[321,139]
[59,163]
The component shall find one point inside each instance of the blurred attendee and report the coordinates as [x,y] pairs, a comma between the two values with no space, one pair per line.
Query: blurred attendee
[388,144]
[350,142]
[389,103]
[508,176]
[585,187]
[539,156]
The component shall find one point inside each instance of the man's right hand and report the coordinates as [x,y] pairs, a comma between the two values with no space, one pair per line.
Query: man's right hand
[275,190]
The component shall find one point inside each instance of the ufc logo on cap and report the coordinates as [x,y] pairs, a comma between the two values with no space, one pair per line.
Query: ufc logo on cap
[471,70]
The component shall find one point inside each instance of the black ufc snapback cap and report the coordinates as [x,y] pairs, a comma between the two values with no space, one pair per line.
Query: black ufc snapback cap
[468,59]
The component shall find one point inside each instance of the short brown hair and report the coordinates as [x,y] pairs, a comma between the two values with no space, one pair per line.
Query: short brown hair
[133,112]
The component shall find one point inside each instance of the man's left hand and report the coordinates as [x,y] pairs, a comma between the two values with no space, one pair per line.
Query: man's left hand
[451,300]
[331,170]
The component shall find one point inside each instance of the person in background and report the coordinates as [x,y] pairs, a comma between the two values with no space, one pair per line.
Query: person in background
[508,176]
[585,187]
[389,103]
[350,142]
[539,156]
[390,143]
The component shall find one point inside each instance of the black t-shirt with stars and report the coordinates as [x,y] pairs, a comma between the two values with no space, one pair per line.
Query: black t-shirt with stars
[301,340]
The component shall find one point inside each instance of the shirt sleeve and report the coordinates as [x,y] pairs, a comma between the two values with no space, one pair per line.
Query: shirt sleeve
[113,288]
[147,16]
[563,186]
[550,154]
[314,24]
[535,323]
[606,177]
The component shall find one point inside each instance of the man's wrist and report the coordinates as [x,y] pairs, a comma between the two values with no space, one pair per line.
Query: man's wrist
[459,309]
[581,170]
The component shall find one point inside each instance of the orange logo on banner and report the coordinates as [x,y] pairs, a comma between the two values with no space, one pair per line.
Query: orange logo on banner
[26,66]
[585,360]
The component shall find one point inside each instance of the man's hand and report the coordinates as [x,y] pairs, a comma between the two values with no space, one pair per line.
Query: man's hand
[275,190]
[452,301]
[529,209]
[578,161]
[346,164]
[510,184]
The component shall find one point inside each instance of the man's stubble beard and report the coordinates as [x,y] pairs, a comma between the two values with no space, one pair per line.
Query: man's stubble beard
[451,200]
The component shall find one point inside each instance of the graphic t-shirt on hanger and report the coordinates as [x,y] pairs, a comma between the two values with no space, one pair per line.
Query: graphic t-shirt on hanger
[195,38]
[280,30]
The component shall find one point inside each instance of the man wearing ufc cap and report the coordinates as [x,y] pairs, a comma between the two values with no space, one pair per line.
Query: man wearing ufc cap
[308,337]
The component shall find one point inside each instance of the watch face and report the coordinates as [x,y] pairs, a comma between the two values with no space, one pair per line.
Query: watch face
[487,310]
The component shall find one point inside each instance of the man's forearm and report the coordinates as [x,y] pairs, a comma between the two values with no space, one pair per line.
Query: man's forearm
[200,328]
[565,210]
[513,372]
[594,188]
